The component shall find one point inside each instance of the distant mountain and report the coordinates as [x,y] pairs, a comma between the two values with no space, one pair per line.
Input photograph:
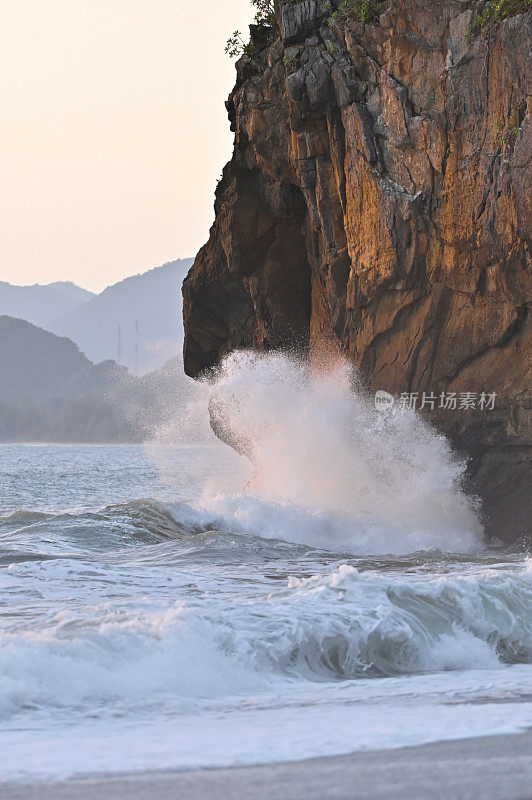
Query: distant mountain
[148,309]
[41,303]
[51,392]
[71,290]
[33,361]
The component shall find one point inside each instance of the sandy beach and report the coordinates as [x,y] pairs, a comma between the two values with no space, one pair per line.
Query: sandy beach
[490,768]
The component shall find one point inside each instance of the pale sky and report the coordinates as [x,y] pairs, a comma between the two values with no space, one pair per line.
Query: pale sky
[113,133]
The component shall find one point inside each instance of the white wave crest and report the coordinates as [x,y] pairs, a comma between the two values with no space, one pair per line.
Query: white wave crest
[340,625]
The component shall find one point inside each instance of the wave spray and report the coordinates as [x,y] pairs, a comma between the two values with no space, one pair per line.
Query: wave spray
[328,469]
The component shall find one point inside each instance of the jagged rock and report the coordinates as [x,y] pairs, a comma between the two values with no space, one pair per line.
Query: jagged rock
[298,19]
[379,196]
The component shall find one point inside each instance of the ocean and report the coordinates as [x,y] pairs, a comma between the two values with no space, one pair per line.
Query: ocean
[180,605]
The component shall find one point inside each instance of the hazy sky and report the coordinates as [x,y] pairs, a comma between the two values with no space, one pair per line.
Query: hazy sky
[113,133]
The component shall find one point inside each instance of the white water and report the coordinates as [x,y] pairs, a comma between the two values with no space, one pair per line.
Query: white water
[333,597]
[330,471]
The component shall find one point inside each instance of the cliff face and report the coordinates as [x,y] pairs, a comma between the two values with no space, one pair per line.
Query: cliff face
[379,198]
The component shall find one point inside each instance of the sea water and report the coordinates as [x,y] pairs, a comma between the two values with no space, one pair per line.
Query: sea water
[182,605]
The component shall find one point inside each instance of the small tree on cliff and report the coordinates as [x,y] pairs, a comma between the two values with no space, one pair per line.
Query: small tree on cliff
[264,15]
[236,46]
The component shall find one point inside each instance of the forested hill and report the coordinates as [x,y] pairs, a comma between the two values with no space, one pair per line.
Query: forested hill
[51,392]
[35,362]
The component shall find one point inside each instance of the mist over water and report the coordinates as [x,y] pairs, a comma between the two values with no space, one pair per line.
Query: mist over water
[329,470]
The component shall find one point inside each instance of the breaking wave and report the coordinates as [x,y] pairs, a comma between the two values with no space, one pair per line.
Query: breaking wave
[328,470]
[339,625]
[321,567]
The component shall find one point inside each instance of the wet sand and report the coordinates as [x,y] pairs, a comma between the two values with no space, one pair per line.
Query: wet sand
[489,768]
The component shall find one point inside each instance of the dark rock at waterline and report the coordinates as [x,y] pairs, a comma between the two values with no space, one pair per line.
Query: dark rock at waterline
[378,198]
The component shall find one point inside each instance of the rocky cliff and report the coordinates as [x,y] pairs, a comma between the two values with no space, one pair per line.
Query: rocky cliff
[378,199]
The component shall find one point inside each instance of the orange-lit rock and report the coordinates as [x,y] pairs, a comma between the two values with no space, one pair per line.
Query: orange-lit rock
[379,195]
